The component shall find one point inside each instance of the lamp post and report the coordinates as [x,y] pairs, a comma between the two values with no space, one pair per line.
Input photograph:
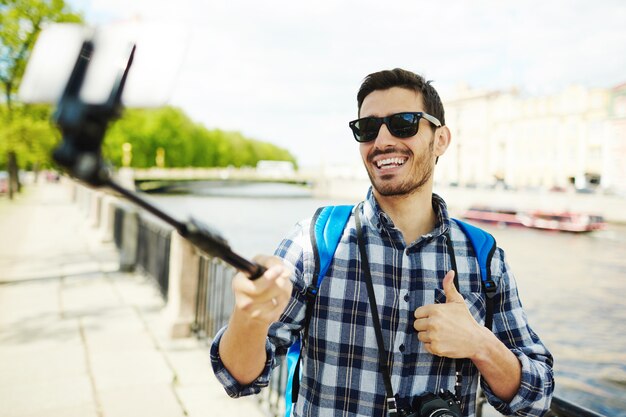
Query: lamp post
[127,154]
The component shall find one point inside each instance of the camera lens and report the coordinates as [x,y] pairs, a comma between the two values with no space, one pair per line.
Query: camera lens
[442,412]
[436,405]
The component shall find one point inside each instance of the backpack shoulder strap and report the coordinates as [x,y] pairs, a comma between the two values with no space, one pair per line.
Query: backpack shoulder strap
[326,229]
[484,245]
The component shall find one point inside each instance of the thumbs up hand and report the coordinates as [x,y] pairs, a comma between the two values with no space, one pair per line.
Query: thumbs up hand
[448,329]
[452,295]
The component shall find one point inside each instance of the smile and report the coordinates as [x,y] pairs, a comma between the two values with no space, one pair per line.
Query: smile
[390,163]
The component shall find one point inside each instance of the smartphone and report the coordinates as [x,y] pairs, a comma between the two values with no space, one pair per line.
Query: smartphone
[160,51]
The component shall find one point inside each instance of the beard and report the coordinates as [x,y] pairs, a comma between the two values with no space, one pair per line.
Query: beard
[419,175]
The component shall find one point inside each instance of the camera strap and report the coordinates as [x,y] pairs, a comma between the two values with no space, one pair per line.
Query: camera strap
[392,407]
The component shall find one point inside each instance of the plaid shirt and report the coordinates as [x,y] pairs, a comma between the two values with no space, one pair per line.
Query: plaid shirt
[340,373]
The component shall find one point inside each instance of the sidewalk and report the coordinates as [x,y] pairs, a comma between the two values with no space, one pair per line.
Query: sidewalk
[80,339]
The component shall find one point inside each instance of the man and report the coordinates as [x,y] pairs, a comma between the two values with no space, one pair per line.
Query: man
[430,329]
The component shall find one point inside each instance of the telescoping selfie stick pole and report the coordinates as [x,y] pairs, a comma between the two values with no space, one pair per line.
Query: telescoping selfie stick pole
[83,126]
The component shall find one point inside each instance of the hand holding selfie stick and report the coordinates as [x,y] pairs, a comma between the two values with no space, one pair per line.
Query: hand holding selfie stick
[83,126]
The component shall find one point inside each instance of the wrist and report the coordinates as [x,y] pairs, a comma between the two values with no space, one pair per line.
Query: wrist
[242,349]
[499,367]
[243,322]
[484,346]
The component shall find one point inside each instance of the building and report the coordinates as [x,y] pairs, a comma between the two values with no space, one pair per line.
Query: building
[504,138]
[614,172]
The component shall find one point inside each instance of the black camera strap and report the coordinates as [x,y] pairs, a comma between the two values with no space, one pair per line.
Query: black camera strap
[392,407]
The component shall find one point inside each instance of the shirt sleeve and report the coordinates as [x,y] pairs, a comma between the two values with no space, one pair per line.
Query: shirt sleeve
[510,325]
[283,333]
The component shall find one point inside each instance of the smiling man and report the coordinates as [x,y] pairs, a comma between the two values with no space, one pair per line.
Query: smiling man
[431,328]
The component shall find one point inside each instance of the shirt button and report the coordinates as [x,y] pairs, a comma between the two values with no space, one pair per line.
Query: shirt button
[406,297]
[401,348]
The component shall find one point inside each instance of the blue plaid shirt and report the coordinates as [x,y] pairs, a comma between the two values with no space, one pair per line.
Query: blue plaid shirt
[340,373]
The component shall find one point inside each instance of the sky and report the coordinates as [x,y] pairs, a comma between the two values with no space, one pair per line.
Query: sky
[287,72]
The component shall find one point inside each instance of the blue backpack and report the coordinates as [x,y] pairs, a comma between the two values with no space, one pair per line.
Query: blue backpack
[326,229]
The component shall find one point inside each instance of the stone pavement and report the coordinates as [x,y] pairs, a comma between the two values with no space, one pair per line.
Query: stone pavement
[80,339]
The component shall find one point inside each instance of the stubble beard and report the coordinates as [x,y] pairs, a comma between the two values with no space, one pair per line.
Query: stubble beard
[413,183]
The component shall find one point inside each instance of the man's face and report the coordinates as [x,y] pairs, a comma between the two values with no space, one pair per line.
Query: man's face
[397,166]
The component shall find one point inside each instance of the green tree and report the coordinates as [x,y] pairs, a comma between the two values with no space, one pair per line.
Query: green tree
[186,143]
[21,21]
[32,135]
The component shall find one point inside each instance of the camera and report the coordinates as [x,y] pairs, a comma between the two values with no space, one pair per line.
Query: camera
[428,404]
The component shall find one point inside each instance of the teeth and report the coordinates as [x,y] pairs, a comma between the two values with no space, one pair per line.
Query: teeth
[390,161]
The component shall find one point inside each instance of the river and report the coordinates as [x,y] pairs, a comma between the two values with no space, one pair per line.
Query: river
[573,286]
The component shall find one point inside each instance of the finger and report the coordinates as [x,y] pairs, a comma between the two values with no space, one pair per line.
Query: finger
[271,304]
[280,302]
[279,289]
[452,295]
[263,303]
[423,311]
[273,273]
[282,285]
[285,272]
[424,337]
[274,268]
[267,261]
[277,275]
[285,289]
[420,324]
[241,283]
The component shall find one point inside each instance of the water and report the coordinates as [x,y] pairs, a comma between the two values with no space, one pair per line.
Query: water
[572,285]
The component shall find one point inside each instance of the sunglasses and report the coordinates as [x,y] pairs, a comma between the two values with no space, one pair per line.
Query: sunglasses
[401,125]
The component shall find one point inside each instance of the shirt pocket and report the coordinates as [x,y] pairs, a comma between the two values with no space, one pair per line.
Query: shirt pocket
[475,302]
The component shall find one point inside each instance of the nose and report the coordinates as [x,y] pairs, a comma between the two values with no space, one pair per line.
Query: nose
[384,138]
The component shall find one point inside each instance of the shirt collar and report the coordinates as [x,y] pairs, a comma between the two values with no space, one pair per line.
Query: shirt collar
[376,217]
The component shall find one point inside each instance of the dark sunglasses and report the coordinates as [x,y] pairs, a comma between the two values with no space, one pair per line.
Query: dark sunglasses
[401,125]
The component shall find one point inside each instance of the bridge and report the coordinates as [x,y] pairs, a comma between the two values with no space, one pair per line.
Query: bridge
[156,179]
[352,185]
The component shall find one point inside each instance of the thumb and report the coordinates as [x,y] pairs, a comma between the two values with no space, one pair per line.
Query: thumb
[452,295]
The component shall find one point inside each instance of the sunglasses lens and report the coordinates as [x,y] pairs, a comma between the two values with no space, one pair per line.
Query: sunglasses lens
[366,129]
[400,125]
[404,125]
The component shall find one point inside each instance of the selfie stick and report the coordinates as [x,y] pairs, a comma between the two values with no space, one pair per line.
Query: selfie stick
[83,126]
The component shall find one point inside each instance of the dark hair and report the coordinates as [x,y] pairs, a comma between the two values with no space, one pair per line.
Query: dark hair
[384,80]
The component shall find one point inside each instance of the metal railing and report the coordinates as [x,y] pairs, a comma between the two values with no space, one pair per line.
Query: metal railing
[563,408]
[118,226]
[558,408]
[214,300]
[272,399]
[153,252]
[214,304]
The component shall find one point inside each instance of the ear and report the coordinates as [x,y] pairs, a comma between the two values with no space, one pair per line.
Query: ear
[442,140]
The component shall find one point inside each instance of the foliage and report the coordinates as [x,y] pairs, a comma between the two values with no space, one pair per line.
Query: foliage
[33,136]
[25,130]
[186,143]
[21,21]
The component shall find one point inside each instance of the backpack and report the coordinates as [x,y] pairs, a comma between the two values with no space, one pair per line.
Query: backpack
[327,227]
